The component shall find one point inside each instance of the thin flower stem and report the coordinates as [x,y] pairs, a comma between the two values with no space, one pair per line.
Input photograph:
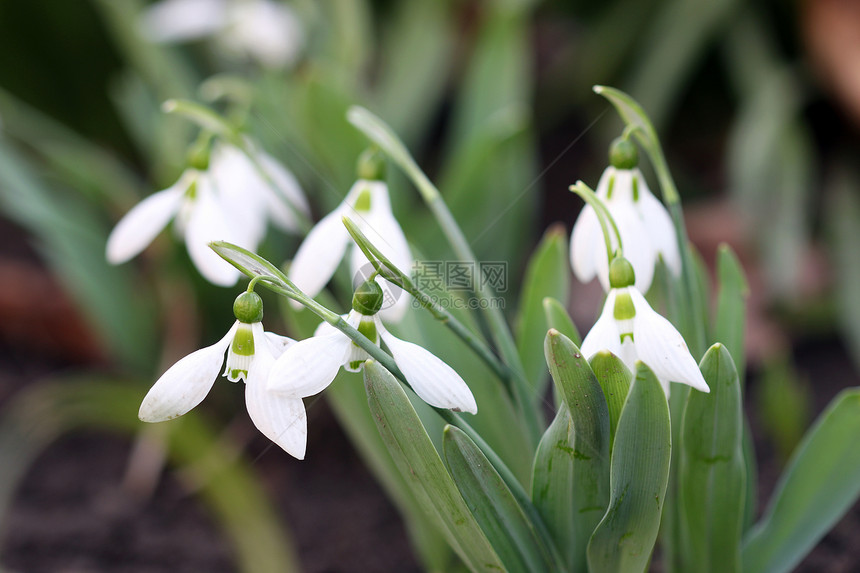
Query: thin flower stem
[603,215]
[389,271]
[381,134]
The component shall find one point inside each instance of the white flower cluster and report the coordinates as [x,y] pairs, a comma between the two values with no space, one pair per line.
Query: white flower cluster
[628,326]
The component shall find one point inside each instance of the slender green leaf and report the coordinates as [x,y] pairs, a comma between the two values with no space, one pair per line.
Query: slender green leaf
[711,479]
[553,484]
[419,463]
[819,485]
[557,317]
[547,275]
[843,213]
[509,530]
[615,380]
[583,396]
[730,315]
[639,473]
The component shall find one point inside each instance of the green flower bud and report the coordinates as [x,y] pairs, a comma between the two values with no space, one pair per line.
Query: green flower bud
[248,308]
[371,165]
[621,273]
[623,154]
[368,298]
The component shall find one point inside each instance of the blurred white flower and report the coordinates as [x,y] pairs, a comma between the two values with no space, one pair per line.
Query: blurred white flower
[251,352]
[265,30]
[629,328]
[369,206]
[309,366]
[228,201]
[644,224]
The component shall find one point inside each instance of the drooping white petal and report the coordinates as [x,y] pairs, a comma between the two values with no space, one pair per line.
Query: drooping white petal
[181,20]
[434,381]
[139,227]
[604,334]
[659,227]
[208,223]
[240,190]
[277,343]
[309,366]
[279,417]
[267,31]
[383,230]
[636,244]
[186,383]
[319,254]
[586,245]
[662,348]
[288,189]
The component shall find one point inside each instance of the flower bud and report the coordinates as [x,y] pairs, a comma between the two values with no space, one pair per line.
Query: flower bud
[623,154]
[248,308]
[621,273]
[371,165]
[368,298]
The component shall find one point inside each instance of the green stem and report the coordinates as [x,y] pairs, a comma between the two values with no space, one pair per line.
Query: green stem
[603,215]
[389,271]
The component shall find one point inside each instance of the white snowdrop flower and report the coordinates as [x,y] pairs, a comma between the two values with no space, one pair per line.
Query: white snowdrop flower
[309,366]
[629,328]
[246,190]
[200,217]
[265,30]
[251,352]
[368,205]
[645,226]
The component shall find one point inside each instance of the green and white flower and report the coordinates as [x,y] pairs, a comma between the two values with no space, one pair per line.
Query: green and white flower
[251,353]
[369,206]
[309,366]
[266,31]
[629,328]
[645,226]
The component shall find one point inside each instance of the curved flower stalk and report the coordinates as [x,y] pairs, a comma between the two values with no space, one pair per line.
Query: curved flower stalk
[629,328]
[369,206]
[645,226]
[251,352]
[309,366]
[222,198]
[266,31]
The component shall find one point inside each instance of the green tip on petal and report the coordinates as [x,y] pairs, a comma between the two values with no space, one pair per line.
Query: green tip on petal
[621,273]
[624,310]
[248,308]
[371,165]
[368,298]
[623,154]
[199,153]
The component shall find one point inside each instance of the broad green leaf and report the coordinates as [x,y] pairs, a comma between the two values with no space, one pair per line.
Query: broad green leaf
[553,491]
[615,380]
[584,399]
[624,539]
[557,317]
[423,470]
[711,479]
[819,485]
[514,537]
[784,399]
[547,275]
[730,315]
[227,482]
